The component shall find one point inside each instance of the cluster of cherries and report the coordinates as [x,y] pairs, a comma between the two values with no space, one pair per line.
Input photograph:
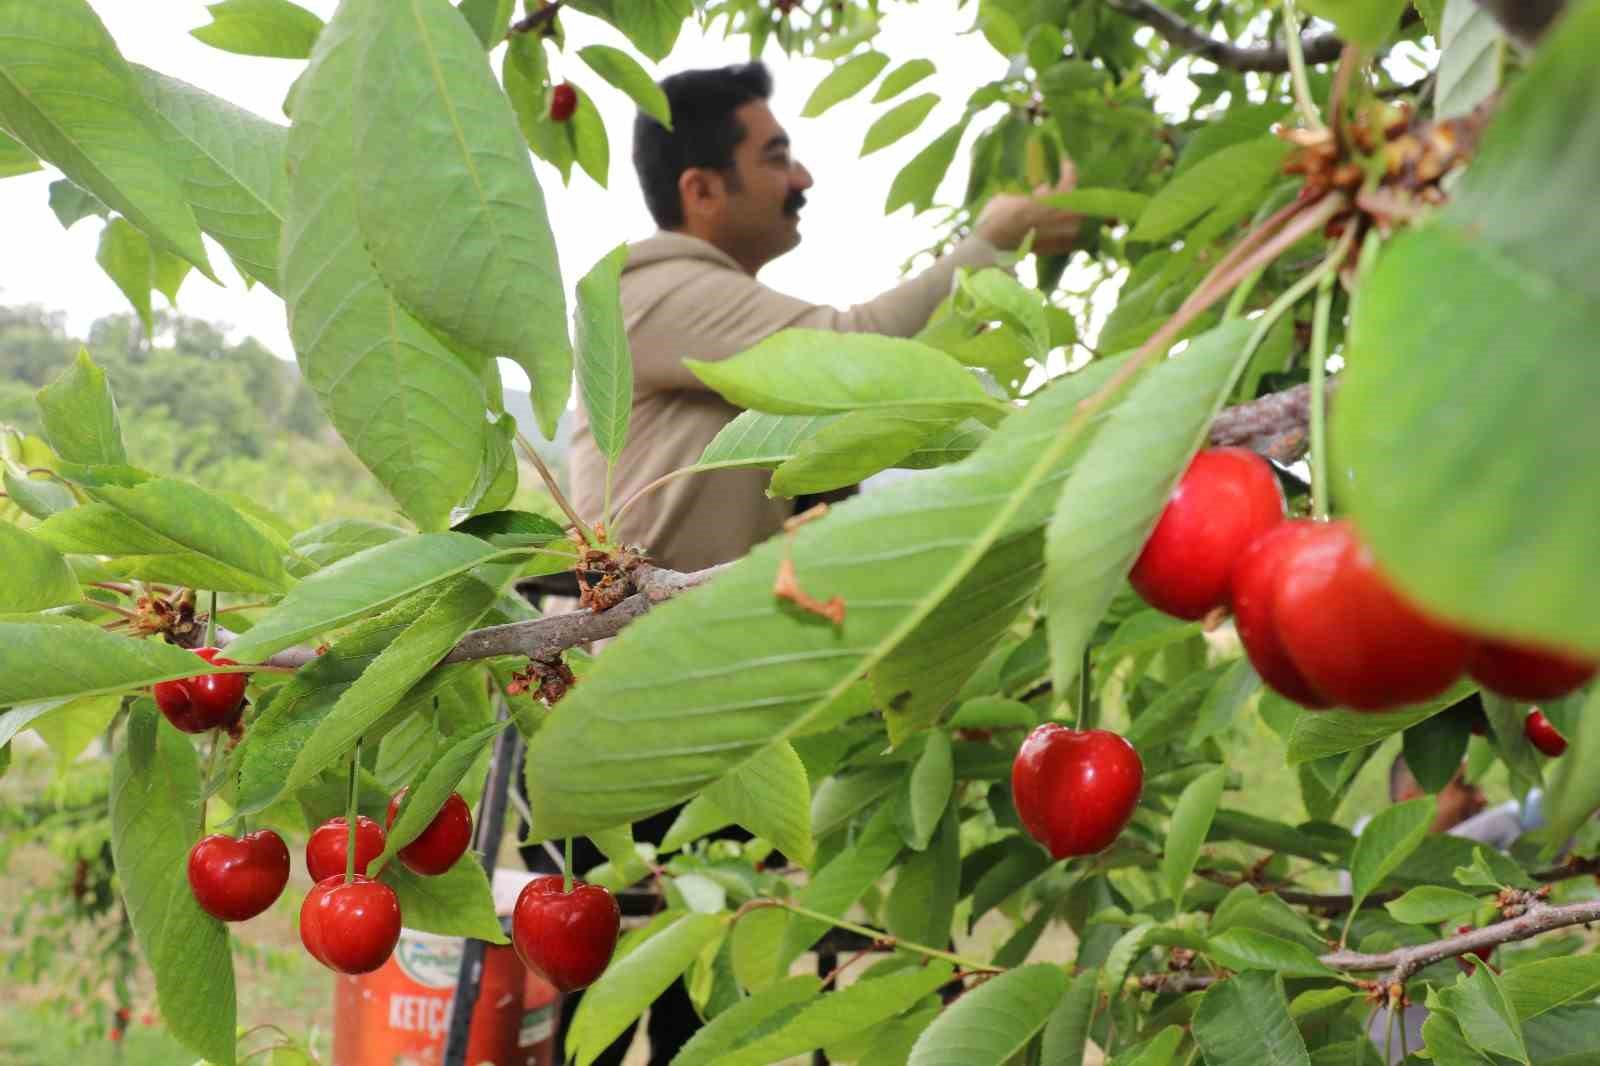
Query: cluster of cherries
[1318,620]
[351,926]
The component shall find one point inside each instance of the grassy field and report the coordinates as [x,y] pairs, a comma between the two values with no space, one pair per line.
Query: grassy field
[280,985]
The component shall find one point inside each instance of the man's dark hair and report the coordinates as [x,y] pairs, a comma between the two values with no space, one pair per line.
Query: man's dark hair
[704,132]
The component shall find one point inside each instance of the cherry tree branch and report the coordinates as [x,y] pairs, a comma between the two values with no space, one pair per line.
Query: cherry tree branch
[1323,48]
[1524,20]
[1276,425]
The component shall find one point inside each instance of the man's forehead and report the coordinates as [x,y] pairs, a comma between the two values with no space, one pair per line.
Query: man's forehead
[761,128]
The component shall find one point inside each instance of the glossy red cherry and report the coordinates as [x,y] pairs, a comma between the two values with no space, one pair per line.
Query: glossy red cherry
[350,927]
[1227,498]
[200,704]
[1075,790]
[565,937]
[1351,635]
[1525,673]
[442,843]
[1542,734]
[563,102]
[325,850]
[1255,583]
[235,879]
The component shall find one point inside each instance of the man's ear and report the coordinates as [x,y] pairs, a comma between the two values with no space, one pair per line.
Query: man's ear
[700,189]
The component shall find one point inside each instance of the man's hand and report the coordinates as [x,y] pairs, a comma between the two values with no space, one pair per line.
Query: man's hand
[1007,218]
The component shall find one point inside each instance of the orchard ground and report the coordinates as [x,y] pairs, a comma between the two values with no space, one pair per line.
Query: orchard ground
[281,985]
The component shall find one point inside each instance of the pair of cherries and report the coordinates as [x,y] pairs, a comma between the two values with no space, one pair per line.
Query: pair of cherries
[349,926]
[1319,621]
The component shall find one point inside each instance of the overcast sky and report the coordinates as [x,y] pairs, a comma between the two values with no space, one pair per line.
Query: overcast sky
[850,250]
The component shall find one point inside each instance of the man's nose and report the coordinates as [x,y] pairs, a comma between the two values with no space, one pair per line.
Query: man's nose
[800,178]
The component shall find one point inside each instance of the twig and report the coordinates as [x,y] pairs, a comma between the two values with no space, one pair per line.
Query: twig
[877,936]
[555,490]
[536,19]
[1269,59]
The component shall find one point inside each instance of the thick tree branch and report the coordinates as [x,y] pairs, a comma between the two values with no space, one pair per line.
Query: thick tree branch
[1273,59]
[1524,20]
[1273,426]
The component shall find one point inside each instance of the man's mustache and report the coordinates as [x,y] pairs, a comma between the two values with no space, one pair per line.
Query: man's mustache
[794,203]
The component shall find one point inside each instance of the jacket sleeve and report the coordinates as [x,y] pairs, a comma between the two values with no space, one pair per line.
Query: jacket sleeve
[718,313]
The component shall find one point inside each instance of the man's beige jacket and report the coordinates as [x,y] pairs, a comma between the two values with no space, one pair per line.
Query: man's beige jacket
[683,298]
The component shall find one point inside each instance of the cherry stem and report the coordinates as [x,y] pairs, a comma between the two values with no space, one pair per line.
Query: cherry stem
[205,782]
[350,815]
[878,936]
[1297,67]
[113,608]
[1319,409]
[556,494]
[671,475]
[211,621]
[566,867]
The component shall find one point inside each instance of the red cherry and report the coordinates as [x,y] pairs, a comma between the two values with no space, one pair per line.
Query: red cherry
[445,840]
[236,879]
[1351,635]
[1075,790]
[325,850]
[201,704]
[1255,582]
[1226,499]
[1543,735]
[565,937]
[350,927]
[1525,673]
[563,102]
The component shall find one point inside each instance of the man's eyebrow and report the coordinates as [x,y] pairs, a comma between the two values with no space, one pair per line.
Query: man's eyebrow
[779,141]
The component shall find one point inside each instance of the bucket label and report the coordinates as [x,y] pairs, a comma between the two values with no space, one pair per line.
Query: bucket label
[419,1014]
[538,1025]
[433,963]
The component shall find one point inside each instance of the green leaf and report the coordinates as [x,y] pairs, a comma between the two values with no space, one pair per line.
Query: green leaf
[273,28]
[1430,904]
[855,446]
[79,415]
[1116,494]
[1320,734]
[590,145]
[834,888]
[634,981]
[624,72]
[166,530]
[67,93]
[232,165]
[125,256]
[809,371]
[1066,1034]
[918,181]
[1238,170]
[457,902]
[733,1027]
[71,204]
[1547,984]
[1472,50]
[923,900]
[771,796]
[755,438]
[994,1021]
[840,1014]
[928,789]
[36,575]
[411,409]
[1223,703]
[1574,792]
[454,611]
[994,712]
[340,538]
[844,81]
[1484,1013]
[1159,1050]
[1434,748]
[1435,353]
[902,78]
[898,121]
[1020,862]
[63,658]
[605,367]
[1368,23]
[1244,1021]
[70,728]
[1384,844]
[1101,203]
[431,787]
[1251,949]
[488,19]
[16,160]
[993,294]
[734,668]
[40,497]
[155,812]
[360,584]
[446,197]
[652,25]
[1191,821]
[1508,734]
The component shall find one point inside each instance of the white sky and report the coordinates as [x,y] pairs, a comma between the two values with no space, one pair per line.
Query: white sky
[850,251]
